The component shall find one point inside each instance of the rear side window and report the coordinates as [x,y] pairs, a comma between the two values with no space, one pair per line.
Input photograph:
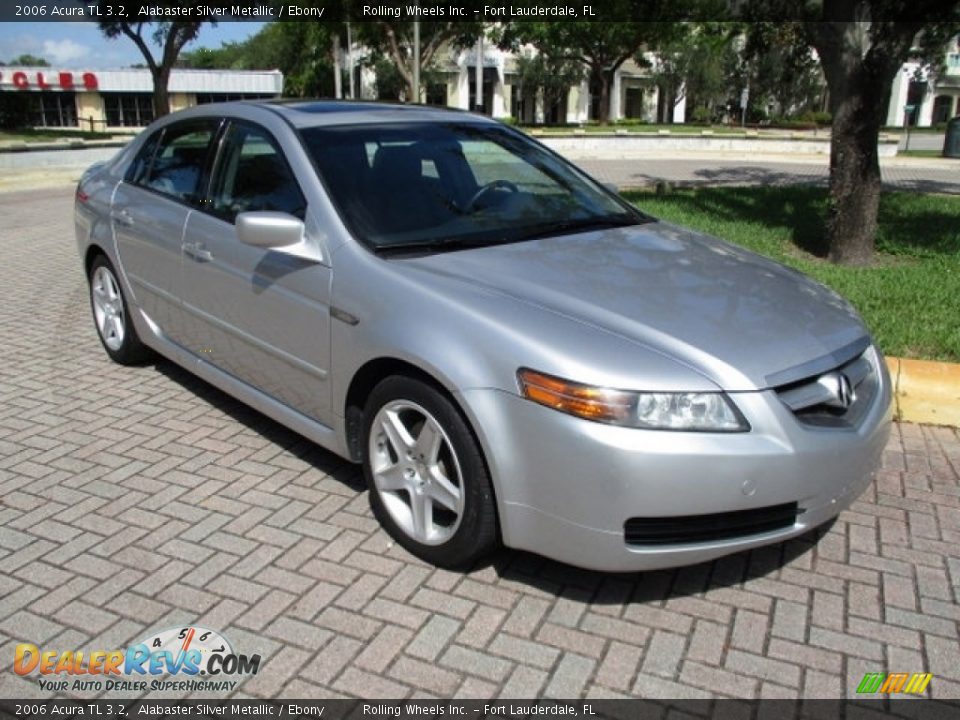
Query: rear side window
[178,161]
[252,174]
[137,174]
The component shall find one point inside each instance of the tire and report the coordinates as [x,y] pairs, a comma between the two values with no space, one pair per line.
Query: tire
[111,316]
[429,484]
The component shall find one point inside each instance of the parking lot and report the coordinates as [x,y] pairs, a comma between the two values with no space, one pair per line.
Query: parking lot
[138,499]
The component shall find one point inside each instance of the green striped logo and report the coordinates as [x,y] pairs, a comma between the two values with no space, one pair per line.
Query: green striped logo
[907,683]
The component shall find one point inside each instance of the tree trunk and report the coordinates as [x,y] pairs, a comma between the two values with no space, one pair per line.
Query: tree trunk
[859,62]
[602,82]
[161,96]
[855,176]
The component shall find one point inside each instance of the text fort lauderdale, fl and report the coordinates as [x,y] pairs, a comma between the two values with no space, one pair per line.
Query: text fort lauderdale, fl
[413,10]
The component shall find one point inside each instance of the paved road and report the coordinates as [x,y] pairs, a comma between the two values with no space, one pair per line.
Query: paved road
[905,174]
[32,170]
[922,141]
[136,499]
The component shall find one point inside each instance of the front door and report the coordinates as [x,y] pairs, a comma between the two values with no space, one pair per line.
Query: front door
[260,315]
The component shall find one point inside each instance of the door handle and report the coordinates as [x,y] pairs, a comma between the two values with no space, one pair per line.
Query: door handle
[122,217]
[197,252]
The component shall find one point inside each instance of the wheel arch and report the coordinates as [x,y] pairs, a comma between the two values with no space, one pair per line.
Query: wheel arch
[92,252]
[370,374]
[366,378]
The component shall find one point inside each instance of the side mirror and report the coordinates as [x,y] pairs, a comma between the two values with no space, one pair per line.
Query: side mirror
[269,229]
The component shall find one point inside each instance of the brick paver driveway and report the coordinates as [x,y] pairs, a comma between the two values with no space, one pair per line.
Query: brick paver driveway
[133,500]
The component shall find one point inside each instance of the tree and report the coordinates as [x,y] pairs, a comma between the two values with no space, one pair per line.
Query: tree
[550,76]
[783,75]
[169,36]
[861,45]
[602,47]
[30,60]
[695,60]
[393,38]
[303,52]
[859,62]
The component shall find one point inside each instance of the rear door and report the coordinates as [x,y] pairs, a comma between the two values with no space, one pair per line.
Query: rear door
[149,215]
[261,315]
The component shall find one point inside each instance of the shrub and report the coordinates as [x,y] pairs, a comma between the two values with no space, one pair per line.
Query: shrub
[701,115]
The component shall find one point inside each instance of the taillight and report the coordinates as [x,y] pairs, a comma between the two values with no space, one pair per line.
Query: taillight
[81,196]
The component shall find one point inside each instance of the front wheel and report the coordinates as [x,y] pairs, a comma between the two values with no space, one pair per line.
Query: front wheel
[429,485]
[112,317]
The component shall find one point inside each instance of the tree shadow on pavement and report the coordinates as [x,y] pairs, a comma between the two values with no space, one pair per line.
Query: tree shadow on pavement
[297,445]
[652,587]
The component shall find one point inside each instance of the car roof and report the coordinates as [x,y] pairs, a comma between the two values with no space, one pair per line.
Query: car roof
[315,113]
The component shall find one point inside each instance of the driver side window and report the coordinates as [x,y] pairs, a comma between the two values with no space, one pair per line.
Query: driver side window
[252,175]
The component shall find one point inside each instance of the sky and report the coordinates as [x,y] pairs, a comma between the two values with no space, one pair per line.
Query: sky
[81,46]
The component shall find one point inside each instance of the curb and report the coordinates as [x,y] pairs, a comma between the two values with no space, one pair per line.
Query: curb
[65,144]
[926,391]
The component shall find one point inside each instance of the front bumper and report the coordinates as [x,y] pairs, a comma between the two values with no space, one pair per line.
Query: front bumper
[565,486]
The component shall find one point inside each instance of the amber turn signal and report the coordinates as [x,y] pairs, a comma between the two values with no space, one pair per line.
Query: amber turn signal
[585,401]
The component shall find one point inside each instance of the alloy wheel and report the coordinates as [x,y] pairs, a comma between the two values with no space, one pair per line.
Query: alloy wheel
[108,308]
[416,472]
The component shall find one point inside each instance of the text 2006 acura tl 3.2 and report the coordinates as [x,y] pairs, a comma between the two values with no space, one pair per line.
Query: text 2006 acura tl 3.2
[512,352]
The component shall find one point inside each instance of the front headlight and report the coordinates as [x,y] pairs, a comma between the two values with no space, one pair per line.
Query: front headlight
[695,411]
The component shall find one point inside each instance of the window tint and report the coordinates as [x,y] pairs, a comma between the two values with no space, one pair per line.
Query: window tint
[400,184]
[252,174]
[491,162]
[180,160]
[141,164]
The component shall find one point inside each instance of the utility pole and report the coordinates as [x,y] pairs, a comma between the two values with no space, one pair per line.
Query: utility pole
[744,102]
[478,77]
[416,61]
[337,80]
[353,89]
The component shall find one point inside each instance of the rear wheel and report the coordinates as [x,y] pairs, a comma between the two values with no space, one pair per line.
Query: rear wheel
[111,316]
[429,485]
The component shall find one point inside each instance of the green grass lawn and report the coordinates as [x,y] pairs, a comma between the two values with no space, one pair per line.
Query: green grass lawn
[910,298]
[921,153]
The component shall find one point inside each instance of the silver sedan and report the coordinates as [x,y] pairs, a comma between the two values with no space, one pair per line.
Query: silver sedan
[513,353]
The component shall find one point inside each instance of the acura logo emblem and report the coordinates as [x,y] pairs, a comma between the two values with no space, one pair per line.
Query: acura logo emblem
[839,387]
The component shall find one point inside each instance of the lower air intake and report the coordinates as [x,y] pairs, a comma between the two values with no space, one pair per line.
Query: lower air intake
[686,529]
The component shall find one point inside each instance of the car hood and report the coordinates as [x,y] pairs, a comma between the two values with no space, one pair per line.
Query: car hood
[742,320]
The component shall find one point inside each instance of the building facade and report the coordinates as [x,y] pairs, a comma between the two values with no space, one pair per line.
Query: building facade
[112,100]
[925,97]
[634,94]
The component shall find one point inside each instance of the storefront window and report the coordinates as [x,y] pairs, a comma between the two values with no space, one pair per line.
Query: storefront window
[204,98]
[54,109]
[128,109]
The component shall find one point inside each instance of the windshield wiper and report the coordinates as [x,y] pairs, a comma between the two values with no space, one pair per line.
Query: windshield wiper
[560,227]
[428,246]
[566,227]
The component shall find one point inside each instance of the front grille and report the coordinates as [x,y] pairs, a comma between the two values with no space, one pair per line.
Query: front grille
[812,402]
[684,529]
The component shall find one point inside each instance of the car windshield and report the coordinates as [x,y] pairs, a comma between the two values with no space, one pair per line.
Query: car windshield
[452,185]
